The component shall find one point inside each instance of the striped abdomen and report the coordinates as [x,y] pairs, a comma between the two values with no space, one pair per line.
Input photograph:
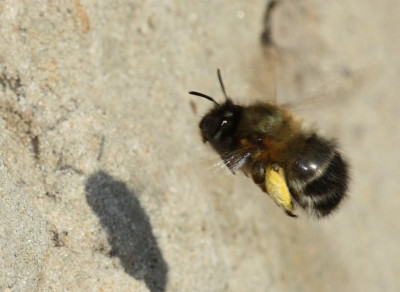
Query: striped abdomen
[318,178]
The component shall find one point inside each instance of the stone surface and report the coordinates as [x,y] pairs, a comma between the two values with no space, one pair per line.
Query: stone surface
[106,185]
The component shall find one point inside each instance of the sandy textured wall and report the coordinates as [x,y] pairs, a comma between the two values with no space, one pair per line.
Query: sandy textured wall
[106,186]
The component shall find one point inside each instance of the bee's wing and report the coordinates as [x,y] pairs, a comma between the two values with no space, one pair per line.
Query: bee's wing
[325,95]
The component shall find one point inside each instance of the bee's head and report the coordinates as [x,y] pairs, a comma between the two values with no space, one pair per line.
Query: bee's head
[220,123]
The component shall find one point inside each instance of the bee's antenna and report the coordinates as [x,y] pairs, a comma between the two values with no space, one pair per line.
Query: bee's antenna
[222,83]
[204,95]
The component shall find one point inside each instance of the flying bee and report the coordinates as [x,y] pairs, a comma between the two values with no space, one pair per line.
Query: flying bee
[295,167]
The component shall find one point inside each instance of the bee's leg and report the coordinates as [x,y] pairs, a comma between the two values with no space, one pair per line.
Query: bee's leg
[277,188]
[289,213]
[258,173]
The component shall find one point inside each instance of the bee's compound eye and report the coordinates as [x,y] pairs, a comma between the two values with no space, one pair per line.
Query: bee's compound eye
[223,123]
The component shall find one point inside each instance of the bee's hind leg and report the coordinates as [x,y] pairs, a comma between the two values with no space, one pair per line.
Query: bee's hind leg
[277,188]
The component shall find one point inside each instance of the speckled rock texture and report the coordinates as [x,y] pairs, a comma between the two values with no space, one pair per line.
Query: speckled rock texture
[106,185]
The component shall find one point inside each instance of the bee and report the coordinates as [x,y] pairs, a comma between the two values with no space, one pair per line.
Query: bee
[294,166]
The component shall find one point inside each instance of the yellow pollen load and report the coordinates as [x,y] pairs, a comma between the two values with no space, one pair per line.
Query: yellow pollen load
[276,187]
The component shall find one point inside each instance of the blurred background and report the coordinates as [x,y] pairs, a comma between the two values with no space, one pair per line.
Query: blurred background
[106,185]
